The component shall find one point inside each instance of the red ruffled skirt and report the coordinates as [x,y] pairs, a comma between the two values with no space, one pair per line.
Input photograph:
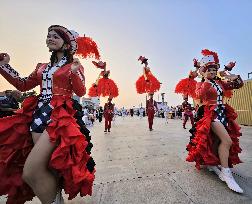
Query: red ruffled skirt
[203,149]
[107,87]
[69,159]
[150,85]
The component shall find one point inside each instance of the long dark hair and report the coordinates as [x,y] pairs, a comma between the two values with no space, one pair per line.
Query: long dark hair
[67,52]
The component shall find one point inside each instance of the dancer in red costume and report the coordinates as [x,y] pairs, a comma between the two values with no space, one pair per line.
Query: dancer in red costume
[188,112]
[215,140]
[104,86]
[147,83]
[108,114]
[43,148]
[151,108]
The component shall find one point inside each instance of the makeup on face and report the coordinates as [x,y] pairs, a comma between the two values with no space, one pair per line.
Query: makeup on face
[54,41]
[211,72]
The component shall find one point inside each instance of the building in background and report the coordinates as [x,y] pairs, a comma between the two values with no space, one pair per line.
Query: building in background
[96,101]
[91,103]
[242,103]
[161,104]
[87,102]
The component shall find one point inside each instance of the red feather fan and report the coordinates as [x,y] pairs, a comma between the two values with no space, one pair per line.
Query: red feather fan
[92,91]
[150,85]
[186,86]
[87,48]
[107,87]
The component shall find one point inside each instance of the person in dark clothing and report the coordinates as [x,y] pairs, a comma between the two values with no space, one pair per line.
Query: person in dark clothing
[108,114]
[100,114]
[9,103]
[151,108]
[131,112]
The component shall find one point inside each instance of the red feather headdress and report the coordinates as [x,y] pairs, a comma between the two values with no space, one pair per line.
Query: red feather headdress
[206,52]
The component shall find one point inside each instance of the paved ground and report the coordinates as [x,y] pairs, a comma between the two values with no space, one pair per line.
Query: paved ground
[135,166]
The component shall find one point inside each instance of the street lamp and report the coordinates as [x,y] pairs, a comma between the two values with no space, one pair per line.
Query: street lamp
[162,94]
[250,73]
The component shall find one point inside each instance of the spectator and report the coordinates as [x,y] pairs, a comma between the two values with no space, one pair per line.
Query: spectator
[100,114]
[9,102]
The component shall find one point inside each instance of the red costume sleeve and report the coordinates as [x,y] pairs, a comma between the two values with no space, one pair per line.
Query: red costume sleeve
[21,84]
[147,107]
[230,85]
[78,82]
[105,108]
[183,106]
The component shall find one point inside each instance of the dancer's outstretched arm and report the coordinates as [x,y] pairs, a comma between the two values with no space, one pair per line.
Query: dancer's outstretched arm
[13,77]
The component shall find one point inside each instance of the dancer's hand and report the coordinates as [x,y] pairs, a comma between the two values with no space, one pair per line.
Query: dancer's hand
[230,66]
[193,74]
[4,58]
[75,65]
[222,73]
[196,64]
[231,77]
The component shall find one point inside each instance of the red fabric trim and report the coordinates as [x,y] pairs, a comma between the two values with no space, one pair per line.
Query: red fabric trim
[204,153]
[68,159]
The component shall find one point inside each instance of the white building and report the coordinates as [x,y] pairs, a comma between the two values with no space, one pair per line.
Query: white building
[93,102]
[96,101]
[87,102]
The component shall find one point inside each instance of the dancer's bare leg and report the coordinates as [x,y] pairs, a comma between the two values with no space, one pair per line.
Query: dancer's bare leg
[36,173]
[35,137]
[226,142]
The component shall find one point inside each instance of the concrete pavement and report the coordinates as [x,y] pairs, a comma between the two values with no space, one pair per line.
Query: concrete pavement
[136,166]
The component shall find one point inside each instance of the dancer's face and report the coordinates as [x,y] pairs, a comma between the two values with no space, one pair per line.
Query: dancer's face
[211,73]
[53,41]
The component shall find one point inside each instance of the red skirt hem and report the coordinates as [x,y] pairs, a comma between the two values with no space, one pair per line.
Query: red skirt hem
[69,158]
[202,150]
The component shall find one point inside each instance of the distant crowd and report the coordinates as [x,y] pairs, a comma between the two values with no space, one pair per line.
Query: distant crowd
[10,101]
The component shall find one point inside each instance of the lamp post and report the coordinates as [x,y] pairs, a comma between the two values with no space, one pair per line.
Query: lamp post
[250,73]
[162,94]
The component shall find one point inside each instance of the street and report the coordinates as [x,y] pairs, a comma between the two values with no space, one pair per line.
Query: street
[135,166]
